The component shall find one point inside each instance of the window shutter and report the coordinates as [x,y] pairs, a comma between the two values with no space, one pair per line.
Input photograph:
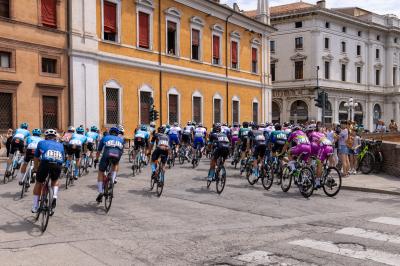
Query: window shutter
[4,8]
[6,110]
[49,15]
[144,33]
[173,108]
[50,112]
[110,17]
[197,109]
[234,52]
[216,46]
[254,54]
[195,37]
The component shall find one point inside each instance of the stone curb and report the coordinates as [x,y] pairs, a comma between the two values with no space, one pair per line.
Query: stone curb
[371,190]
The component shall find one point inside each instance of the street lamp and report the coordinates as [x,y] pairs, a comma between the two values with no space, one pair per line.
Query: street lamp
[350,106]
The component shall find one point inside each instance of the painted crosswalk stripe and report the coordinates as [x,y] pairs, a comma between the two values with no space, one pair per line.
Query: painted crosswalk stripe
[365,254]
[386,220]
[359,232]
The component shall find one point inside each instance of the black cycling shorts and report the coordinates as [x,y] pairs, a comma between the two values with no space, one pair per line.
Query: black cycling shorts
[157,153]
[90,146]
[186,138]
[48,169]
[29,155]
[259,150]
[17,144]
[112,155]
[74,151]
[244,144]
[221,152]
[277,147]
[139,143]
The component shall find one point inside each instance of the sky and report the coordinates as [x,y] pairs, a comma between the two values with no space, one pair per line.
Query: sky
[376,6]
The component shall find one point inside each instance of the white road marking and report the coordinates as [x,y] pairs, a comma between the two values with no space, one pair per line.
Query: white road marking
[359,232]
[258,257]
[386,220]
[366,254]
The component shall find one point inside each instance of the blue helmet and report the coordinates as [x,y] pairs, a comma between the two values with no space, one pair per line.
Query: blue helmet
[94,129]
[36,132]
[114,130]
[80,130]
[24,125]
[143,128]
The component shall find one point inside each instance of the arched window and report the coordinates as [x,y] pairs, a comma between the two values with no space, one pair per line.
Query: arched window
[276,113]
[377,113]
[343,112]
[328,113]
[298,112]
[358,114]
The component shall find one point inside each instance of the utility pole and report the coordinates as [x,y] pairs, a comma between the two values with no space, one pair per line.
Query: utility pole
[322,96]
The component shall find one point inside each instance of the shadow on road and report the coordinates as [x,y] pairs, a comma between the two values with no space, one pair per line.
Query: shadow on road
[87,207]
[144,193]
[201,190]
[26,225]
[9,195]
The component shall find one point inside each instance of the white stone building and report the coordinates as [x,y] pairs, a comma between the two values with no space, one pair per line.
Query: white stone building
[357,52]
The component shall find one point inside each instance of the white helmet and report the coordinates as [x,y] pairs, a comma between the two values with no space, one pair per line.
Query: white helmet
[311,127]
[50,132]
[71,129]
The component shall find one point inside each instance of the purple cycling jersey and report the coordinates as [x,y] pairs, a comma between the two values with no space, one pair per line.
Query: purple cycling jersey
[321,146]
[299,144]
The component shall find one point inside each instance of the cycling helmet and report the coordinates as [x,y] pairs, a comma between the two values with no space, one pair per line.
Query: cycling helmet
[311,127]
[36,132]
[94,129]
[24,125]
[254,126]
[71,129]
[245,124]
[296,127]
[152,124]
[50,132]
[217,128]
[161,130]
[278,126]
[113,131]
[121,129]
[224,124]
[176,124]
[193,123]
[80,130]
[168,126]
[199,125]
[262,125]
[143,128]
[189,123]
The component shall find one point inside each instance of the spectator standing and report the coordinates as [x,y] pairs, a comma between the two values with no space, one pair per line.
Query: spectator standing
[6,140]
[393,126]
[354,150]
[343,149]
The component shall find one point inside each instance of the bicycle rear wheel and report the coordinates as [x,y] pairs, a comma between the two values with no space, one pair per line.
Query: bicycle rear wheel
[24,184]
[366,164]
[286,180]
[220,179]
[268,179]
[108,193]
[130,156]
[160,183]
[45,210]
[306,184]
[332,182]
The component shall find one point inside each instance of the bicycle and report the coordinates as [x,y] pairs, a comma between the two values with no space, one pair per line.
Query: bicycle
[172,156]
[139,161]
[265,174]
[158,177]
[276,167]
[366,159]
[182,157]
[236,155]
[378,156]
[108,185]
[45,202]
[70,173]
[28,176]
[11,171]
[219,176]
[303,177]
[84,167]
[197,156]
[331,180]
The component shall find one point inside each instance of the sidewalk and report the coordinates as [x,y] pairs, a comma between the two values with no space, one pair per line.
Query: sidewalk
[376,183]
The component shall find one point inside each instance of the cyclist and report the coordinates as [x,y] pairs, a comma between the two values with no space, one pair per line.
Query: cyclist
[234,134]
[174,134]
[244,140]
[221,144]
[187,136]
[161,140]
[92,139]
[321,149]
[141,139]
[200,137]
[299,144]
[259,146]
[49,157]
[31,144]
[75,147]
[112,146]
[152,128]
[277,140]
[17,143]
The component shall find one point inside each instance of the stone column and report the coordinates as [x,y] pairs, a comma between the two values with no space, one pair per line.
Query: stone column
[335,114]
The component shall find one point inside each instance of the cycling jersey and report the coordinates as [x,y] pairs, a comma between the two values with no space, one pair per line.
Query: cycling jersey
[140,134]
[226,130]
[174,134]
[32,142]
[321,146]
[199,137]
[257,137]
[113,147]
[50,151]
[299,144]
[21,134]
[278,137]
[92,137]
[78,140]
[244,132]
[111,142]
[161,140]
[67,137]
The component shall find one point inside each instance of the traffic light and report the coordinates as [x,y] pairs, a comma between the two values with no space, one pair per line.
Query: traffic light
[151,113]
[326,100]
[155,115]
[319,100]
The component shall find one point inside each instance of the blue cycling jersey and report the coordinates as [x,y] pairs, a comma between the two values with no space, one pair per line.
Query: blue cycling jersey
[92,136]
[50,151]
[21,134]
[142,134]
[32,142]
[78,139]
[111,141]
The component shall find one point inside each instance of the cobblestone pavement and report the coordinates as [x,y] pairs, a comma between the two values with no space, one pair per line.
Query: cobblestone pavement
[189,224]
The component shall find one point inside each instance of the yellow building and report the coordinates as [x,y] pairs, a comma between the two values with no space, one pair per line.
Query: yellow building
[33,64]
[200,61]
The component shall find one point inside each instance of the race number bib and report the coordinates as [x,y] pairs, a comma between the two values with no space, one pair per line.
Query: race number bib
[281,136]
[53,155]
[325,142]
[245,133]
[90,140]
[19,136]
[223,139]
[260,138]
[163,143]
[32,146]
[302,140]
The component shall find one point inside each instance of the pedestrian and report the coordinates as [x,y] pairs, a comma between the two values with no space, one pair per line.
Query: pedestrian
[393,126]
[354,150]
[332,136]
[6,140]
[380,128]
[343,149]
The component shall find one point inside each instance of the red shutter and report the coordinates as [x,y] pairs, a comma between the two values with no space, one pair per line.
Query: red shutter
[195,37]
[216,46]
[110,17]
[254,54]
[234,52]
[49,14]
[144,33]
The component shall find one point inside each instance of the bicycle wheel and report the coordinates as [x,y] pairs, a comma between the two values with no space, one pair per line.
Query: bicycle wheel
[306,184]
[220,179]
[366,164]
[45,210]
[286,180]
[160,182]
[268,177]
[24,184]
[153,181]
[332,182]
[130,156]
[108,193]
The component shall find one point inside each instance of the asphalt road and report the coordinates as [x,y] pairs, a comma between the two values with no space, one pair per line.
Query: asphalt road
[190,225]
